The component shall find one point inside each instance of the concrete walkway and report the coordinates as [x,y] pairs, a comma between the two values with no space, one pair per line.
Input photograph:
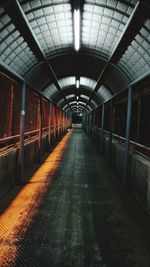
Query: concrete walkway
[73,212]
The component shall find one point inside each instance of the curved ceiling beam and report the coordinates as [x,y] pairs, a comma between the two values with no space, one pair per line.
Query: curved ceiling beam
[81,107]
[74,103]
[73,90]
[84,52]
[15,12]
[138,16]
[81,99]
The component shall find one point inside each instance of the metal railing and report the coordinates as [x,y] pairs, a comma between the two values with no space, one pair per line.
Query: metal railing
[134,146]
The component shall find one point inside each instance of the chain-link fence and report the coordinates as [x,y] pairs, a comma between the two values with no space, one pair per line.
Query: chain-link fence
[31,118]
[115,117]
[10,106]
[35,117]
[45,115]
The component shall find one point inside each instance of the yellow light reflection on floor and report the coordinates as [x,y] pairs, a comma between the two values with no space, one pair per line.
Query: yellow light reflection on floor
[17,217]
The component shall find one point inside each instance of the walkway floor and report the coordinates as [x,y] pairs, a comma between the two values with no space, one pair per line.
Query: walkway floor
[73,212]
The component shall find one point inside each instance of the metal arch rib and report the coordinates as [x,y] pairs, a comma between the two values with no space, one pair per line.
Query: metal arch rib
[138,16]
[15,12]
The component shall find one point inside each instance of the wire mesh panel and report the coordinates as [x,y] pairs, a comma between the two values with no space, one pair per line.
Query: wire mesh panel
[31,118]
[10,106]
[45,113]
[134,135]
[53,115]
[99,121]
[60,120]
[142,95]
[16,109]
[120,114]
[107,117]
[56,118]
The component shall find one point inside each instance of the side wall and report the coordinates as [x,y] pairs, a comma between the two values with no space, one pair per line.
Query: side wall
[139,169]
[9,162]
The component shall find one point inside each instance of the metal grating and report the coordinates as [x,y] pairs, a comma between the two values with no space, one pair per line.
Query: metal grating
[103,23]
[70,96]
[50,91]
[10,107]
[31,118]
[51,22]
[88,82]
[45,113]
[67,81]
[14,51]
[136,60]
[104,93]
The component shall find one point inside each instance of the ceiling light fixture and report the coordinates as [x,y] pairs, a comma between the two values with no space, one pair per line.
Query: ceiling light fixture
[77,29]
[77,83]
[77,98]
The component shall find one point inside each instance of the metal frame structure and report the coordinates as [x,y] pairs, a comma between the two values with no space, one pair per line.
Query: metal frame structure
[18,17]
[22,134]
[139,14]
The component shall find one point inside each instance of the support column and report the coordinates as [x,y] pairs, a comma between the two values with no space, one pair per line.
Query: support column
[40,128]
[93,125]
[54,124]
[127,142]
[10,97]
[58,122]
[90,124]
[139,117]
[97,126]
[63,122]
[110,132]
[102,128]
[22,129]
[50,123]
[87,123]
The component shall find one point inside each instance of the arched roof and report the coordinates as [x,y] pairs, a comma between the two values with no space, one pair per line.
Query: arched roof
[37,42]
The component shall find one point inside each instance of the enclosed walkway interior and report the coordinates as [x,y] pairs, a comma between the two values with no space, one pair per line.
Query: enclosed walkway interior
[75,133]
[73,211]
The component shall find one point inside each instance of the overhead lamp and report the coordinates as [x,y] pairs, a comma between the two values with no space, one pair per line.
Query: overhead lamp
[77,29]
[77,83]
[77,98]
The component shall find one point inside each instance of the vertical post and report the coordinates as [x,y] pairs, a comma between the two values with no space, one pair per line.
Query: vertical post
[8,130]
[128,127]
[58,122]
[61,113]
[90,124]
[63,122]
[40,127]
[93,127]
[50,123]
[54,116]
[138,118]
[102,128]
[97,125]
[22,129]
[111,131]
[87,123]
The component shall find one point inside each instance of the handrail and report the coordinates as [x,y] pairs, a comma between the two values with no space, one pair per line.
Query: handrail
[9,138]
[138,147]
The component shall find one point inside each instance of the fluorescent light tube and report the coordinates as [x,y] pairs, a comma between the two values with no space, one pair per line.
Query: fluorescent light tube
[77,83]
[77,29]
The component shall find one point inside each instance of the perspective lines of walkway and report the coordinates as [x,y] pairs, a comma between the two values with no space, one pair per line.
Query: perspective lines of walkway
[73,212]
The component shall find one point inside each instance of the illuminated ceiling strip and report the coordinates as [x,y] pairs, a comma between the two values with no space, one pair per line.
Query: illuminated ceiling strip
[77,29]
